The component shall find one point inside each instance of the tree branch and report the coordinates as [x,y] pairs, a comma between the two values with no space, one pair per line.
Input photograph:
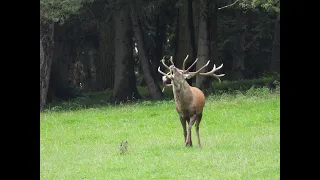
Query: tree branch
[228,5]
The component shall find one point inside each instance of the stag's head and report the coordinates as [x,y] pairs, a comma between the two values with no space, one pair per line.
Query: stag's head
[178,76]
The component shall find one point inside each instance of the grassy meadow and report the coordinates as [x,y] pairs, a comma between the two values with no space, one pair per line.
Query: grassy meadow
[240,136]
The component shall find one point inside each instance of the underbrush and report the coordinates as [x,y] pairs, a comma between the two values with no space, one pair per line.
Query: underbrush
[253,87]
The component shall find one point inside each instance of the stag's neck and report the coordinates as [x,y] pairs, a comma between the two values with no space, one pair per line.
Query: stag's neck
[182,94]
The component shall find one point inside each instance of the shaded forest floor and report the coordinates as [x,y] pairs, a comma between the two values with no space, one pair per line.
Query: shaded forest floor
[98,99]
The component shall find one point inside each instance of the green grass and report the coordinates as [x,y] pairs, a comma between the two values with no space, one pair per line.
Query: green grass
[240,135]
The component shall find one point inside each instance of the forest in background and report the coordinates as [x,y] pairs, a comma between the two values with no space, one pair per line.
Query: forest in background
[97,45]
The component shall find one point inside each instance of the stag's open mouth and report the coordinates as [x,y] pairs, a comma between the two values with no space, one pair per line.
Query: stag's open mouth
[167,81]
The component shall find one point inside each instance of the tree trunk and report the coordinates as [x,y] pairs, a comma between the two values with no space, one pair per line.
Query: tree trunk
[76,72]
[89,79]
[184,43]
[160,37]
[105,62]
[213,36]
[46,52]
[125,82]
[275,58]
[196,17]
[60,79]
[153,87]
[191,31]
[238,56]
[203,47]
[213,44]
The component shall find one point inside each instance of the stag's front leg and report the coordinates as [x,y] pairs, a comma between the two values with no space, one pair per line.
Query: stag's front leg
[183,123]
[190,123]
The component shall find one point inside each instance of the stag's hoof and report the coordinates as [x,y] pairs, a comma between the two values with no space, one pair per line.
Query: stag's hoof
[188,143]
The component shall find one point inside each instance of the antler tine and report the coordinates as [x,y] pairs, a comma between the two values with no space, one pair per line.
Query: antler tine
[203,67]
[211,73]
[191,65]
[167,75]
[184,62]
[164,64]
[171,60]
[214,69]
[191,74]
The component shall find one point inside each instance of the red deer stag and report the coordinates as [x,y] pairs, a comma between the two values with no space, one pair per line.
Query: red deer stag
[189,100]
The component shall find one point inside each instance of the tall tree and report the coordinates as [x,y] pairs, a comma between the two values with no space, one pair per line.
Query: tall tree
[156,18]
[153,87]
[159,40]
[203,43]
[105,62]
[191,19]
[61,86]
[212,39]
[238,55]
[184,34]
[89,68]
[125,82]
[213,32]
[51,13]
[275,58]
[46,53]
[273,8]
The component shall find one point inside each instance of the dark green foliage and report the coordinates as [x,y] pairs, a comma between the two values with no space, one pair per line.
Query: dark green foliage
[242,85]
[84,17]
[59,10]
[258,27]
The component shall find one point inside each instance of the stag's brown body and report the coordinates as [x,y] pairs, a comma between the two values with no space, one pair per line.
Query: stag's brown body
[189,100]
[189,105]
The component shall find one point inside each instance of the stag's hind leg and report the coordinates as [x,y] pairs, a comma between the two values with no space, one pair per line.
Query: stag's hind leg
[198,120]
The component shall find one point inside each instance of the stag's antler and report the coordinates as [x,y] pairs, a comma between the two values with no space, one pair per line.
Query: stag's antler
[169,74]
[164,64]
[184,64]
[191,74]
[211,73]
[191,65]
[171,60]
[186,73]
